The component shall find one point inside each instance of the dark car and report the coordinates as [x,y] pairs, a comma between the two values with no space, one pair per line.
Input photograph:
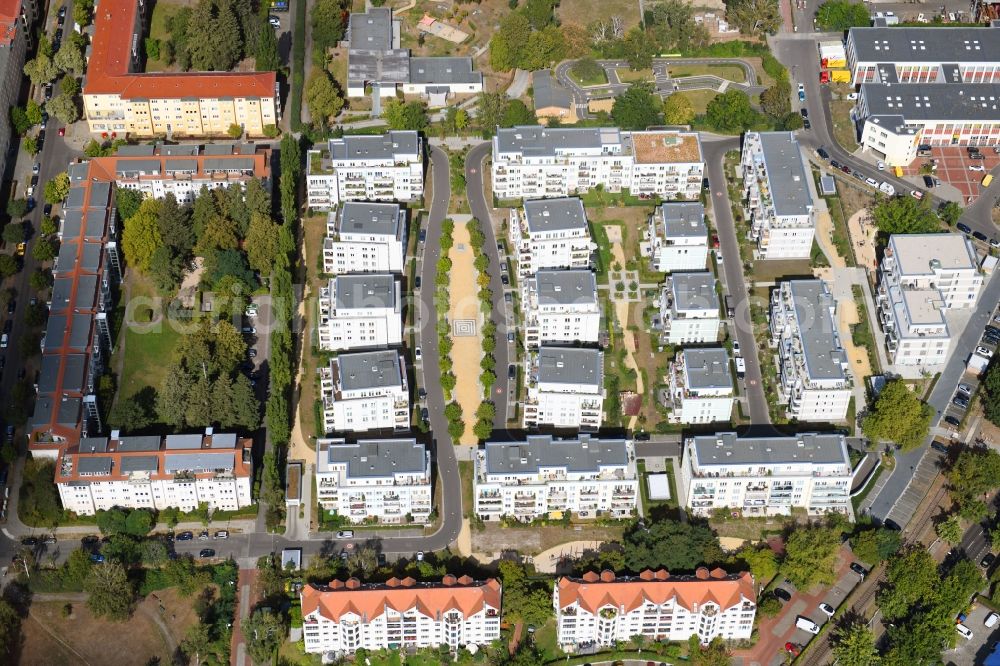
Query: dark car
[992,330]
[11,307]
[804,111]
[185,536]
[505,279]
[206,552]
[858,569]
[928,181]
[511,371]
[422,236]
[62,12]
[47,210]
[806,124]
[960,402]
[952,421]
[964,228]
[641,437]
[988,561]
[822,153]
[425,415]
[29,541]
[835,164]
[845,169]
[939,447]
[416,282]
[980,236]
[422,394]
[782,593]
[500,246]
[508,297]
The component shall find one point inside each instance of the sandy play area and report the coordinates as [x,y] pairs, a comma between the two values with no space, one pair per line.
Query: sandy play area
[467,351]
[621,312]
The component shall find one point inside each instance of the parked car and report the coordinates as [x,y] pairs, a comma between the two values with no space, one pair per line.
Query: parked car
[858,569]
[804,111]
[416,282]
[880,165]
[221,534]
[806,124]
[917,194]
[421,394]
[980,236]
[29,541]
[422,236]
[203,536]
[988,561]
[976,167]
[792,649]
[420,556]
[806,624]
[953,422]
[964,228]
[939,447]
[984,351]
[835,164]
[845,169]
[511,371]
[991,620]
[928,181]
[90,540]
[822,153]
[96,558]
[504,279]
[827,609]
[872,182]
[252,353]
[802,93]
[416,353]
[964,631]
[782,593]
[345,534]
[206,553]
[425,415]
[249,329]
[185,536]
[960,402]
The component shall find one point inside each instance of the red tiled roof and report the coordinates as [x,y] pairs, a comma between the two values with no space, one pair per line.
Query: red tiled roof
[593,592]
[109,71]
[370,601]
[10,12]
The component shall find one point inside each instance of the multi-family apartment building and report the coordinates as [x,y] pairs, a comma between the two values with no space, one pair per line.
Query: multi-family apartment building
[814,378]
[182,170]
[565,388]
[921,277]
[364,391]
[776,195]
[561,307]
[118,97]
[550,233]
[363,237]
[381,167]
[533,161]
[678,237]
[540,476]
[701,386]
[603,609]
[375,60]
[766,476]
[17,18]
[362,311]
[387,480]
[343,617]
[153,472]
[689,308]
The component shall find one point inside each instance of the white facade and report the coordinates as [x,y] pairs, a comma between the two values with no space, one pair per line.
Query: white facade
[689,308]
[179,471]
[604,609]
[526,480]
[387,480]
[921,277]
[365,391]
[565,388]
[342,617]
[701,386]
[776,195]
[550,233]
[814,376]
[365,237]
[678,237]
[360,312]
[766,476]
[387,167]
[536,162]
[561,307]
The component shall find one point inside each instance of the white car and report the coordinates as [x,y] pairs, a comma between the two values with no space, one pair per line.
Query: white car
[991,620]
[888,189]
[917,194]
[417,354]
[872,182]
[881,165]
[963,631]
[420,556]
[718,257]
[976,167]
[852,95]
[827,609]
[921,18]
[736,348]
[345,534]
[984,351]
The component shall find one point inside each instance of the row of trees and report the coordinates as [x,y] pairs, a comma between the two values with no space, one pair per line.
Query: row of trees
[487,378]
[48,65]
[214,35]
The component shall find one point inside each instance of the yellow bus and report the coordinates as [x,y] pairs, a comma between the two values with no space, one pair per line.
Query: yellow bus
[987,179]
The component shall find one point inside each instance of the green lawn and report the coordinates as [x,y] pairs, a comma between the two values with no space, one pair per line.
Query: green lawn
[843,127]
[465,472]
[147,353]
[733,73]
[626,75]
[699,99]
[162,9]
[598,80]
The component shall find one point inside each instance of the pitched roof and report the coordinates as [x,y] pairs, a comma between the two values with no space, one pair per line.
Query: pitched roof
[593,591]
[369,601]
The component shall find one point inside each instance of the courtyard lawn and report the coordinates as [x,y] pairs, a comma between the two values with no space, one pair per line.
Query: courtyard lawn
[147,354]
[626,75]
[699,99]
[162,10]
[732,73]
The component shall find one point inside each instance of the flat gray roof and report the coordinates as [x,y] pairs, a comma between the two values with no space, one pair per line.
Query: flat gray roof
[443,70]
[570,365]
[378,66]
[970,43]
[725,448]
[140,464]
[683,219]
[377,290]
[93,444]
[371,30]
[565,287]
[223,440]
[375,146]
[379,457]
[360,217]
[94,465]
[786,174]
[707,368]
[934,101]
[537,140]
[814,306]
[197,462]
[694,291]
[583,454]
[544,215]
[548,92]
[139,443]
[368,370]
[178,442]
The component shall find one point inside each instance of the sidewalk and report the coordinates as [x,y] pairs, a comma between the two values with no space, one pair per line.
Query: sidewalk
[234,526]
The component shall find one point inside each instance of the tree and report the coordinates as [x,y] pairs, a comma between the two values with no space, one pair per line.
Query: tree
[672,27]
[111,593]
[30,144]
[166,269]
[172,395]
[762,562]
[262,243]
[63,106]
[949,529]
[638,50]
[545,47]
[754,18]
[714,654]
[517,113]
[731,112]
[130,415]
[48,226]
[139,522]
[528,601]
[174,224]
[69,59]
[10,630]
[213,40]
[976,471]
[41,70]
[911,577]
[40,279]
[197,641]
[34,112]
[637,108]
[905,215]
[588,71]
[14,232]
[82,11]
[141,235]
[44,250]
[842,15]
[677,109]
[327,24]
[776,100]
[508,44]
[323,96]
[128,202]
[405,116]
[811,556]
[691,546]
[989,393]
[17,208]
[899,416]
[263,632]
[491,107]
[950,212]
[57,188]
[539,12]
[266,58]
[70,87]
[854,645]
[875,545]
[199,401]
[19,120]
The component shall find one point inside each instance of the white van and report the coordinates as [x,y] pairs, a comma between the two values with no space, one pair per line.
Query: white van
[3,341]
[806,624]
[991,620]
[963,631]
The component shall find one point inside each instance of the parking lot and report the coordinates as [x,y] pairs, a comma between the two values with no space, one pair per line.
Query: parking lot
[972,651]
[959,403]
[952,167]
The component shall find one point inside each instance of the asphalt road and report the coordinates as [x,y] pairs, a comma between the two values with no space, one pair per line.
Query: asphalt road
[481,210]
[715,151]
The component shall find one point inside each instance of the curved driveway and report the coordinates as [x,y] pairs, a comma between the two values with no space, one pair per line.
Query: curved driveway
[481,211]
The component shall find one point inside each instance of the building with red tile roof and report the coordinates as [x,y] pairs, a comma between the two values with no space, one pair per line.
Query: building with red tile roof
[15,16]
[347,615]
[118,97]
[603,608]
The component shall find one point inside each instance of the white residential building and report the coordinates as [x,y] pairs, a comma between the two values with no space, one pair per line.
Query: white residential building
[153,472]
[561,307]
[388,480]
[385,167]
[603,609]
[678,237]
[701,386]
[535,478]
[814,377]
[565,388]
[365,391]
[533,161]
[776,195]
[360,312]
[343,617]
[551,233]
[364,237]
[689,308]
[921,277]
[766,476]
